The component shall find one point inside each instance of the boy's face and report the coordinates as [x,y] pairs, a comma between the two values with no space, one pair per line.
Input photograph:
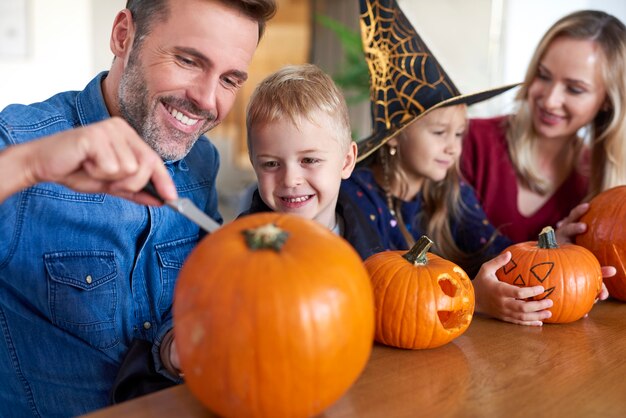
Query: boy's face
[300,169]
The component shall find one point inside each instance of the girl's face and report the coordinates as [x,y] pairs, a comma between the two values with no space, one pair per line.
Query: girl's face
[568,89]
[431,146]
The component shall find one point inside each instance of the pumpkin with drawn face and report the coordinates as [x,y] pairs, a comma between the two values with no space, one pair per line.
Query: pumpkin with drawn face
[421,299]
[570,274]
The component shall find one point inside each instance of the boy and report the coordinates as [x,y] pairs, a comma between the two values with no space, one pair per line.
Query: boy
[300,146]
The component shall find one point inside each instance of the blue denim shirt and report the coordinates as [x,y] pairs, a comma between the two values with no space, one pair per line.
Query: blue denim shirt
[82,275]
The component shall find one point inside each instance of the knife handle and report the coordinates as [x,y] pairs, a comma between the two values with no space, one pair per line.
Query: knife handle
[152,191]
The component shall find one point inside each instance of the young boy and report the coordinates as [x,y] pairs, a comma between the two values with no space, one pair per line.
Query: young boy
[300,147]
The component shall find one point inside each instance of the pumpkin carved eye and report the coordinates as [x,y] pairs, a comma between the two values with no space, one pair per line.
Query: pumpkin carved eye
[422,300]
[539,273]
[455,317]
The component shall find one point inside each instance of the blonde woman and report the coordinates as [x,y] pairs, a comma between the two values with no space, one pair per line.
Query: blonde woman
[531,168]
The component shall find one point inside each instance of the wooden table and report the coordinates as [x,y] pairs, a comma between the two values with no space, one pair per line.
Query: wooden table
[495,369]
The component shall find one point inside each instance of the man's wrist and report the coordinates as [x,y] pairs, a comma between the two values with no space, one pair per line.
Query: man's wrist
[165,352]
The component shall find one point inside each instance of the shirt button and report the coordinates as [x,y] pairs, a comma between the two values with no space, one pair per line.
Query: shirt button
[88,279]
[147,325]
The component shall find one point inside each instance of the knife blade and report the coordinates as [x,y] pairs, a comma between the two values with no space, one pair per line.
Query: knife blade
[185,207]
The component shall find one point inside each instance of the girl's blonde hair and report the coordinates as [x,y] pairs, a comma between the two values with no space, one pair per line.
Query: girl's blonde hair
[608,129]
[296,92]
[441,204]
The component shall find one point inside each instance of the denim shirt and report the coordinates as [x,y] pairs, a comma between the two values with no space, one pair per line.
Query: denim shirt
[82,275]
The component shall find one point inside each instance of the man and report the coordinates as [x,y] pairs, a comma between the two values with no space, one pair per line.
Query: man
[82,276]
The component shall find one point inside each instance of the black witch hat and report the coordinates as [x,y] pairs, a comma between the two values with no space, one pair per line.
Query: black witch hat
[406,81]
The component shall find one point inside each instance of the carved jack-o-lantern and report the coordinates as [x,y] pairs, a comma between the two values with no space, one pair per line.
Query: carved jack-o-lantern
[570,275]
[421,300]
[605,236]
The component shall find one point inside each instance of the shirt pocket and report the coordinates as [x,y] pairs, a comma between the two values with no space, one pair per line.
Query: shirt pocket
[172,255]
[82,295]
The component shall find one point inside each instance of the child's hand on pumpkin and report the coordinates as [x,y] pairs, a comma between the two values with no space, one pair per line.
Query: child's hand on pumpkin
[568,227]
[507,302]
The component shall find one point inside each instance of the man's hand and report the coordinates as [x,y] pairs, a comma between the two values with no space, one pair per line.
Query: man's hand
[105,157]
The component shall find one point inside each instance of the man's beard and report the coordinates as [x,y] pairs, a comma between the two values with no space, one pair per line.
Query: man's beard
[141,115]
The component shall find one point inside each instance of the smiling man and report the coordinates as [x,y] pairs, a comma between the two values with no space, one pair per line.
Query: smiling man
[83,276]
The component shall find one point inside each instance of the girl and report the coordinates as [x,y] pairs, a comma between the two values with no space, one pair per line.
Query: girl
[412,187]
[408,182]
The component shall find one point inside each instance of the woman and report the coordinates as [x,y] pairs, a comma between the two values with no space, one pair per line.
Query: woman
[531,168]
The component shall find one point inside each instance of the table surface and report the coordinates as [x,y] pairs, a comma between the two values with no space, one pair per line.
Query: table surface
[495,369]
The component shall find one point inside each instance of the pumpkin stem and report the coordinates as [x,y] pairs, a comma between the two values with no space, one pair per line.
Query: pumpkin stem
[547,238]
[268,236]
[417,254]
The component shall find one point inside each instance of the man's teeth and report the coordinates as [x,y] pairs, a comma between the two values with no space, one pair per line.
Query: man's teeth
[182,118]
[296,199]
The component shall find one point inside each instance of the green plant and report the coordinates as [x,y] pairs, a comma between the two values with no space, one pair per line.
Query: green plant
[353,74]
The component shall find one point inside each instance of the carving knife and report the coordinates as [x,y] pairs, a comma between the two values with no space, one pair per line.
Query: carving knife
[187,208]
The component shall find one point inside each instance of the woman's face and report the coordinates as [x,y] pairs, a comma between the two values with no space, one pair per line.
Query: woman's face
[568,89]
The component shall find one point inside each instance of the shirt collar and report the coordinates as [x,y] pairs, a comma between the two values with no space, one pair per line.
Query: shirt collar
[90,102]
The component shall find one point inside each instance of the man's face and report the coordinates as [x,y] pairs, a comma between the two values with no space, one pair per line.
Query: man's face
[183,78]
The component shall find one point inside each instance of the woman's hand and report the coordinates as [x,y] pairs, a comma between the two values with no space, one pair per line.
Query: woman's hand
[568,227]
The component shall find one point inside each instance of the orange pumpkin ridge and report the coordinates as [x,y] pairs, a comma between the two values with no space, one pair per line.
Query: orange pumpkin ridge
[570,275]
[421,300]
[605,236]
[279,330]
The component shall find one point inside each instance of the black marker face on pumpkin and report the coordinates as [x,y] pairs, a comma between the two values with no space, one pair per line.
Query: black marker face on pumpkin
[538,274]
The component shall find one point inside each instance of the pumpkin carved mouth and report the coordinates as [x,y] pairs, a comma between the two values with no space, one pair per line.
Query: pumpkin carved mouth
[453,317]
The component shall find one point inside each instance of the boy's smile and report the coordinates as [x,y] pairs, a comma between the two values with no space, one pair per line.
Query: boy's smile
[300,168]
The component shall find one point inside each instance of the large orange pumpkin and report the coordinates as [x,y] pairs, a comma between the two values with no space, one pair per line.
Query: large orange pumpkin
[273,317]
[421,300]
[605,236]
[570,275]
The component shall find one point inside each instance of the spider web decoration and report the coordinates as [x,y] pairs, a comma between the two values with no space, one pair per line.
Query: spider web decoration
[405,77]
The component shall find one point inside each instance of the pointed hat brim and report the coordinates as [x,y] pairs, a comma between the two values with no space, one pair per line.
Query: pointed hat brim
[370,144]
[406,80]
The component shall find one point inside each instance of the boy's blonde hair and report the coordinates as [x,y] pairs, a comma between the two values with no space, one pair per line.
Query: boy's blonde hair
[607,130]
[296,92]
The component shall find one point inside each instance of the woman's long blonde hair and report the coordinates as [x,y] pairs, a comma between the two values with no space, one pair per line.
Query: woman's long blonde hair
[608,129]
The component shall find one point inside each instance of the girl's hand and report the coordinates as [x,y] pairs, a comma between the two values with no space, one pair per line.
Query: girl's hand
[505,301]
